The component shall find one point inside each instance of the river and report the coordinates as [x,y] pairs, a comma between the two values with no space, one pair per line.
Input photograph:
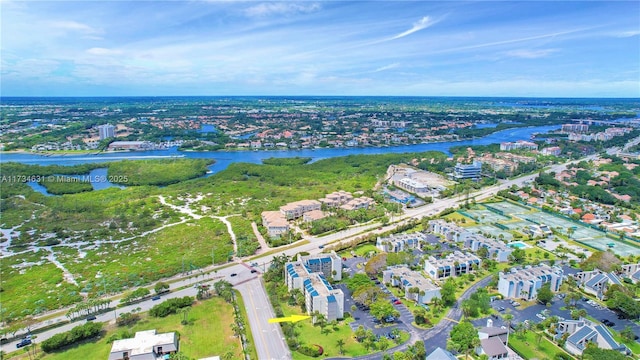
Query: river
[224,158]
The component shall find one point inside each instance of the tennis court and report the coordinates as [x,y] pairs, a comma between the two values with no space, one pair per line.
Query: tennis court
[486,216]
[524,216]
[490,229]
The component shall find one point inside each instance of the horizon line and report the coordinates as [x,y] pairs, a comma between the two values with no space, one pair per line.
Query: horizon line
[326,96]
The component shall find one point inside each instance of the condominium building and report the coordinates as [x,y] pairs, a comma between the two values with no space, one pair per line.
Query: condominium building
[575,128]
[596,282]
[275,223]
[497,249]
[403,277]
[552,150]
[400,242]
[467,171]
[524,283]
[583,332]
[106,131]
[517,145]
[328,264]
[631,271]
[296,209]
[454,264]
[358,203]
[319,295]
[336,198]
[412,185]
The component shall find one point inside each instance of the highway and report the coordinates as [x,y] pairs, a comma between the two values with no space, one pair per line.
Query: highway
[268,338]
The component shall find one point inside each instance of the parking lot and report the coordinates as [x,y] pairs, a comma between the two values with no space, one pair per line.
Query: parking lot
[537,313]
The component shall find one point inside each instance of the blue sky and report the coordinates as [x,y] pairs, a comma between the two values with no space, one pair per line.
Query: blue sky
[424,48]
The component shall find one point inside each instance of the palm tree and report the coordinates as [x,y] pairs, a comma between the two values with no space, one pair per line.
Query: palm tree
[508,317]
[340,344]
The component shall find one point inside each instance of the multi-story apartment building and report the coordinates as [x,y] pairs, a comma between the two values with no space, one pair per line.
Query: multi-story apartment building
[524,283]
[575,128]
[295,210]
[403,277]
[319,295]
[336,198]
[328,264]
[517,145]
[631,271]
[358,203]
[275,223]
[412,185]
[497,249]
[454,264]
[400,242]
[106,131]
[596,282]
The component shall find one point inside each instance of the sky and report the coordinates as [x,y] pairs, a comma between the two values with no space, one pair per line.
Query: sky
[395,48]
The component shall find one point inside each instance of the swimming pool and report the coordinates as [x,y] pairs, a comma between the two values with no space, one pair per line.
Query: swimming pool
[518,245]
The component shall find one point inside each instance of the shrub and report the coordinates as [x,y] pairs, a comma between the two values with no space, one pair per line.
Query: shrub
[76,334]
[311,350]
[170,306]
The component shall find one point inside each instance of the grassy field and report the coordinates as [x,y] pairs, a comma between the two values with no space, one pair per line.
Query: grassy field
[207,334]
[529,347]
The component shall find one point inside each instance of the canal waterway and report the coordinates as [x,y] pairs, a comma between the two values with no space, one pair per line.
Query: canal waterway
[224,158]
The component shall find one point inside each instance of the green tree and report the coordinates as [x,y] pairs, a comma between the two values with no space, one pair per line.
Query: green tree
[448,292]
[340,345]
[545,295]
[382,309]
[161,287]
[463,338]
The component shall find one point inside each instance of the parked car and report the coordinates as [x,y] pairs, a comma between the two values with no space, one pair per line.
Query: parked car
[397,302]
[253,271]
[233,274]
[91,317]
[321,247]
[157,297]
[23,343]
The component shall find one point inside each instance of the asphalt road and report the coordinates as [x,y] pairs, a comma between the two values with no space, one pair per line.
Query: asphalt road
[268,338]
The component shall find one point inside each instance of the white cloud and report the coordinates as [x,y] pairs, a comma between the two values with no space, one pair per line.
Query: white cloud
[387,67]
[421,24]
[531,54]
[281,8]
[98,51]
[625,34]
[73,26]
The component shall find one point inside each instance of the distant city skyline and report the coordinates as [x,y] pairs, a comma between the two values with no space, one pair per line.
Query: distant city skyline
[396,48]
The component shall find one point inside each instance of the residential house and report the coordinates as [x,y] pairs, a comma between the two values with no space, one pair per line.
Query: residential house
[400,242]
[145,345]
[404,278]
[454,264]
[524,283]
[493,342]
